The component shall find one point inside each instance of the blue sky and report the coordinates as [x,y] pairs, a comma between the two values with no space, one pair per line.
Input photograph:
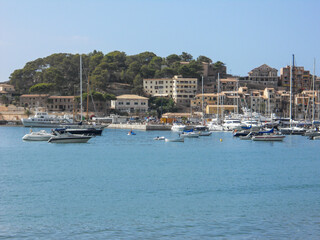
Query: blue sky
[242,34]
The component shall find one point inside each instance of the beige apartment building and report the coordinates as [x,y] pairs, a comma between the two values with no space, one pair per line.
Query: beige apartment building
[34,100]
[50,103]
[305,106]
[130,103]
[61,103]
[158,87]
[269,101]
[264,75]
[301,79]
[184,90]
[264,101]
[7,87]
[6,90]
[206,98]
[228,84]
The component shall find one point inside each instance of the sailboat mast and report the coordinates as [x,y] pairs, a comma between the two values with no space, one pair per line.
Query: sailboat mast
[290,113]
[81,87]
[88,100]
[313,95]
[218,102]
[202,100]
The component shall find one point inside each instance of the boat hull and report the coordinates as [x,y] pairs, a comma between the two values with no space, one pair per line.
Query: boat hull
[29,137]
[189,135]
[174,140]
[41,124]
[69,140]
[205,134]
[268,138]
[89,132]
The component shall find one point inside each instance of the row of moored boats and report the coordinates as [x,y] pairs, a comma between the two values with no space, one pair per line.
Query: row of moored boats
[256,130]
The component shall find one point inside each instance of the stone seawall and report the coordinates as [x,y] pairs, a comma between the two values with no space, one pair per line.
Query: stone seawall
[145,127]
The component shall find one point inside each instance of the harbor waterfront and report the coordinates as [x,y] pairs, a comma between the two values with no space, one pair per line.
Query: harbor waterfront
[133,187]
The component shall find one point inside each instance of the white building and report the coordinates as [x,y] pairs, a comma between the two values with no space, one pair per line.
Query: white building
[130,103]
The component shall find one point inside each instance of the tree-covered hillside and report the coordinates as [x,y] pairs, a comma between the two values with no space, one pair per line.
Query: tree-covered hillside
[59,72]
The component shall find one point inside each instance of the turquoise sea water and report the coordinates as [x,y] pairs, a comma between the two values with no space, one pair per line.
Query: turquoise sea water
[132,187]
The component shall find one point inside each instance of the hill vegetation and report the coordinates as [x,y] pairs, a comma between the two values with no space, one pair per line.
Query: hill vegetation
[59,73]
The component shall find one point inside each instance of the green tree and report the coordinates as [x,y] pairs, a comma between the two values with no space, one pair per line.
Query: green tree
[172,59]
[147,72]
[145,57]
[162,105]
[156,63]
[138,85]
[108,96]
[41,88]
[218,64]
[186,57]
[204,59]
[193,69]
[55,76]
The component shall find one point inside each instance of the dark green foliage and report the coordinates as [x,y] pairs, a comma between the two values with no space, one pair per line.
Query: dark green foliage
[137,85]
[62,71]
[186,57]
[172,59]
[162,105]
[43,88]
[192,70]
[218,64]
[108,96]
[204,59]
[97,96]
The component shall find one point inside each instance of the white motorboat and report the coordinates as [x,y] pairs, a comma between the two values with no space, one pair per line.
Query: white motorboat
[202,130]
[314,137]
[311,132]
[159,138]
[61,136]
[268,137]
[253,125]
[87,129]
[189,135]
[43,119]
[204,133]
[294,130]
[231,124]
[178,127]
[174,140]
[215,127]
[42,135]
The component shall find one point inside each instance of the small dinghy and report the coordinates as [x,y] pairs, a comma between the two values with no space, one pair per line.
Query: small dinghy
[175,140]
[159,138]
[131,133]
[205,133]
